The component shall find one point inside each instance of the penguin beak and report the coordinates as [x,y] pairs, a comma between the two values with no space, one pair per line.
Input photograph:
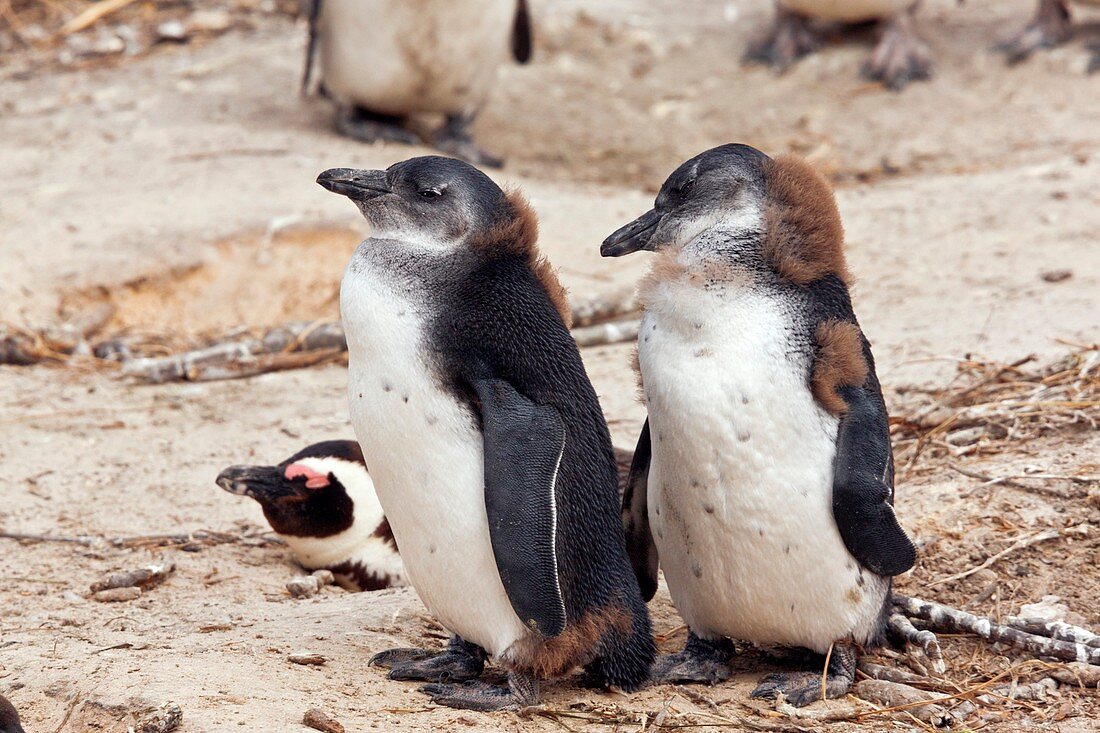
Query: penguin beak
[636,235]
[358,185]
[262,483]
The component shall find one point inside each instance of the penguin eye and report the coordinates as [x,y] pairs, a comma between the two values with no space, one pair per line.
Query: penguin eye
[430,193]
[684,188]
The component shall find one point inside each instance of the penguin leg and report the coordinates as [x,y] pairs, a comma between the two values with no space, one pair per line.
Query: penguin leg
[522,690]
[900,56]
[803,688]
[454,138]
[460,661]
[701,660]
[1049,27]
[369,127]
[791,37]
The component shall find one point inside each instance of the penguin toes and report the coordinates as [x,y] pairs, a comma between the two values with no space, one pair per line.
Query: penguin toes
[370,129]
[684,667]
[792,37]
[1049,28]
[899,58]
[401,655]
[801,688]
[472,695]
[446,667]
[461,146]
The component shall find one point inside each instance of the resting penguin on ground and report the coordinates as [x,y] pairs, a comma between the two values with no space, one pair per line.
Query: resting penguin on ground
[764,469]
[900,56]
[321,502]
[1050,26]
[485,439]
[9,718]
[382,61]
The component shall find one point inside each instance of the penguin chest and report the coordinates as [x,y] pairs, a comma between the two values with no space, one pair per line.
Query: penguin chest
[414,55]
[425,456]
[740,483]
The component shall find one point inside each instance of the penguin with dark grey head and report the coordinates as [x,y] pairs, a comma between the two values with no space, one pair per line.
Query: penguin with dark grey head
[321,502]
[9,718]
[383,61]
[485,439]
[763,478]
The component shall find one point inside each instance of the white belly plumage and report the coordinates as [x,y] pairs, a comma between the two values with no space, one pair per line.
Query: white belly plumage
[407,56]
[425,456]
[847,11]
[740,483]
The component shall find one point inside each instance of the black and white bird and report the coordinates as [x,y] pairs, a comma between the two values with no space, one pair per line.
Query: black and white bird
[382,62]
[9,718]
[321,502]
[485,439]
[899,57]
[763,478]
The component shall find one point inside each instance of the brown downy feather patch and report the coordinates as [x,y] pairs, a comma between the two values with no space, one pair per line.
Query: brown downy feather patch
[574,647]
[805,239]
[519,235]
[839,363]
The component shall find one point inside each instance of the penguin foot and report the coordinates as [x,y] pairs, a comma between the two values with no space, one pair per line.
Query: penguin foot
[1049,27]
[900,56]
[802,688]
[484,697]
[370,127]
[702,661]
[792,37]
[459,662]
[1094,59]
[454,138]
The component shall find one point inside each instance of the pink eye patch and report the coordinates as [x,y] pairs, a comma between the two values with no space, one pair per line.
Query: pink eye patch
[313,479]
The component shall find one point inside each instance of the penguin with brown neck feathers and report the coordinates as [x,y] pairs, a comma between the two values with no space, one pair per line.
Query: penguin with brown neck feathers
[763,479]
[321,502]
[9,718]
[489,451]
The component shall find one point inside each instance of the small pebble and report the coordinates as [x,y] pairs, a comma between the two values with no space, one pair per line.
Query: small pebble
[303,587]
[118,595]
[1056,276]
[318,719]
[166,718]
[307,658]
[171,30]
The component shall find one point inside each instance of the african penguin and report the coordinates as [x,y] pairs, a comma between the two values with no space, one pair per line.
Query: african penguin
[484,436]
[1050,26]
[382,61]
[900,56]
[763,478]
[321,502]
[9,718]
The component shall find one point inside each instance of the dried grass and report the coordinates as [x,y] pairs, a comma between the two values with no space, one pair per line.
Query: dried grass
[990,405]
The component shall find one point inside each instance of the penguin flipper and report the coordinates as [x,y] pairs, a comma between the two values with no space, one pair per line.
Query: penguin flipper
[522,35]
[862,494]
[523,444]
[635,515]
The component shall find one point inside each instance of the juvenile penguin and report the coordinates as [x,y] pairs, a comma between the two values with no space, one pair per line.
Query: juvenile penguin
[383,61]
[9,718]
[1050,26]
[321,502]
[899,57]
[764,470]
[485,439]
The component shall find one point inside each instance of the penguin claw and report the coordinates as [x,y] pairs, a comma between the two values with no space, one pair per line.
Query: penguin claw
[472,695]
[900,56]
[1049,27]
[401,655]
[801,688]
[792,37]
[684,667]
[370,128]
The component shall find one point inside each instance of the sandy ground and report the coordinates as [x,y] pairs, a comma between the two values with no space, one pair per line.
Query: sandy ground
[180,186]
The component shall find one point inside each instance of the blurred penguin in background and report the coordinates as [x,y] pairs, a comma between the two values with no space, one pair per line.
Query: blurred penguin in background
[381,62]
[899,57]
